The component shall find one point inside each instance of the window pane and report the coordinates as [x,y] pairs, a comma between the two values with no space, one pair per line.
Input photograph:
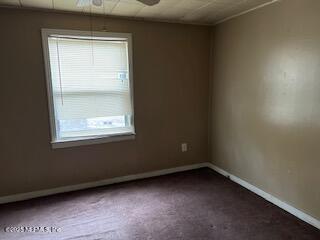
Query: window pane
[92,126]
[90,86]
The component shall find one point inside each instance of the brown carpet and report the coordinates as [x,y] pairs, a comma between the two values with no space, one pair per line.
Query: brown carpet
[199,204]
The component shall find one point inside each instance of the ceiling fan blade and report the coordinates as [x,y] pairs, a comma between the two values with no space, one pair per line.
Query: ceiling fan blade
[97,3]
[149,2]
[86,3]
[83,3]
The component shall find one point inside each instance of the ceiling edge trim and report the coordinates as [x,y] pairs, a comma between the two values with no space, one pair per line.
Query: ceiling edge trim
[246,11]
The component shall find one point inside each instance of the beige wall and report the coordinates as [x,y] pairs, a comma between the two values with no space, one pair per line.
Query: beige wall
[266,100]
[171,65]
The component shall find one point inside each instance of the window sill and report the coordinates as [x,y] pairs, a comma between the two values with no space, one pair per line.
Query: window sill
[92,140]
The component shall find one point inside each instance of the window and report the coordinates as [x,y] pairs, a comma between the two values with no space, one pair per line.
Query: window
[89,80]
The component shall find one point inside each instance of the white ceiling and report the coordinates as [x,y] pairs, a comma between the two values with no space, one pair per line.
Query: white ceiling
[189,11]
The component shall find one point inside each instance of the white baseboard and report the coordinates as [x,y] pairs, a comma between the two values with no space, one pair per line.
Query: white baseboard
[47,192]
[285,206]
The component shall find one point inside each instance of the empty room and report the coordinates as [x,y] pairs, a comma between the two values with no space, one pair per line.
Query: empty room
[160,120]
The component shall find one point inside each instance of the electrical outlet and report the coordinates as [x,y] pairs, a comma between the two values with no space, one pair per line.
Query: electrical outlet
[184,147]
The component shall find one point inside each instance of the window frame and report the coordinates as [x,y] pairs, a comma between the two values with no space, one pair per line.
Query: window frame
[62,143]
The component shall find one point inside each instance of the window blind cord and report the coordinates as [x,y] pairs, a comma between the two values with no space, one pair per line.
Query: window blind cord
[91,30]
[59,69]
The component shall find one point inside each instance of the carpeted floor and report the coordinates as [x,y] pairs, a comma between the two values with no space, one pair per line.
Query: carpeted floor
[198,204]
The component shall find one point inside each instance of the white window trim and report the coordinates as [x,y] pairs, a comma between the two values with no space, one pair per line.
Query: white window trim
[57,143]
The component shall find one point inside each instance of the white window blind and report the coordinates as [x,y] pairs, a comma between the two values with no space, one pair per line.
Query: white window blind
[90,86]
